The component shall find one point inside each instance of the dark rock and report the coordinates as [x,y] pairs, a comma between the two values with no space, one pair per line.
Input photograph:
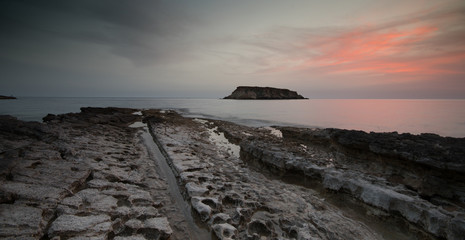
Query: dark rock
[244,92]
[6,97]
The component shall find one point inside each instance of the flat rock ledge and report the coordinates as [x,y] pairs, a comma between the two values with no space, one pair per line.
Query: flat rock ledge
[79,176]
[90,175]
[293,183]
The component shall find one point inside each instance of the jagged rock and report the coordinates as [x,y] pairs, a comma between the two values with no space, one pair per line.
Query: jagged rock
[219,218]
[244,92]
[204,206]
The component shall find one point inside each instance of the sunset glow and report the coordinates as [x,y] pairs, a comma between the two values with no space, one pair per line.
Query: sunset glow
[354,49]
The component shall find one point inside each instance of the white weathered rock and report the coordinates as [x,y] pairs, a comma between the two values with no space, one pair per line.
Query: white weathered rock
[70,225]
[224,231]
[204,206]
[20,220]
[194,189]
[160,224]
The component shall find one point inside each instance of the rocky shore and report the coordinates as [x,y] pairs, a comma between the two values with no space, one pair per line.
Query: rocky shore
[103,174]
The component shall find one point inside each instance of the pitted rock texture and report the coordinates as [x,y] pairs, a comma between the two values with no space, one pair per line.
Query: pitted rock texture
[80,176]
[326,186]
[237,202]
[400,174]
[89,176]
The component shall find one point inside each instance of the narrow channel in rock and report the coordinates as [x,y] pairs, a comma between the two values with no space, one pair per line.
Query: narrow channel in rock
[183,218]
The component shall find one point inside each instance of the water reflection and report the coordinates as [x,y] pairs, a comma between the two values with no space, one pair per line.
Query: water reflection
[444,117]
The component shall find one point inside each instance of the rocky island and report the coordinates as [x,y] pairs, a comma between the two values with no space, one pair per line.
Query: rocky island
[6,97]
[117,173]
[245,92]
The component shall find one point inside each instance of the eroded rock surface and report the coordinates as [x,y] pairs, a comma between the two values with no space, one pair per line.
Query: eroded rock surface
[89,175]
[237,202]
[80,176]
[291,183]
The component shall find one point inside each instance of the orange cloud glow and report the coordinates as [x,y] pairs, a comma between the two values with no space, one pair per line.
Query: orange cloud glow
[387,52]
[417,46]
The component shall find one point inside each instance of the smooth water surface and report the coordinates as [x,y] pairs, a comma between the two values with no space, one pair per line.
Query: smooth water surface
[443,117]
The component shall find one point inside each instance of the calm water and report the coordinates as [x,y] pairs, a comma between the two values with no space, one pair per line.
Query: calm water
[444,117]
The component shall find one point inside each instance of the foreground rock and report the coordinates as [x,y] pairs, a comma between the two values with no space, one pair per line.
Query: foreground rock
[286,183]
[244,92]
[237,202]
[89,175]
[80,176]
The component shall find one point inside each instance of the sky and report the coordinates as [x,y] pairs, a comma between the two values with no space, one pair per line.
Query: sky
[206,48]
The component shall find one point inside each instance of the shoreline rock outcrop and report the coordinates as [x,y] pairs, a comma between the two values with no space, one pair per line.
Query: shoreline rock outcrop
[89,175]
[265,93]
[6,97]
[80,176]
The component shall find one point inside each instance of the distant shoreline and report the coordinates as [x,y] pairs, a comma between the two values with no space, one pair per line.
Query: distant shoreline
[6,97]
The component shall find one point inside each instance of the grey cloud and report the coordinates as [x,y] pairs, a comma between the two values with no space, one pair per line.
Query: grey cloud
[144,32]
[304,43]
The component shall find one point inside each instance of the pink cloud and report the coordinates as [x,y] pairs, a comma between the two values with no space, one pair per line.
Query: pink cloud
[426,44]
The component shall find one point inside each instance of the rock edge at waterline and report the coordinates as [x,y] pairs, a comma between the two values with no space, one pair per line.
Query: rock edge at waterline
[88,175]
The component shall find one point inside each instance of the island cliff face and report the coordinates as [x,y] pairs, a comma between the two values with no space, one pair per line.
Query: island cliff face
[244,92]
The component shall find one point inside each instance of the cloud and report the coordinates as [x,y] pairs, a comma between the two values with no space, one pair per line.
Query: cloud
[144,32]
[422,44]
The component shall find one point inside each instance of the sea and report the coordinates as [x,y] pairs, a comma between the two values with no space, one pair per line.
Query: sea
[444,117]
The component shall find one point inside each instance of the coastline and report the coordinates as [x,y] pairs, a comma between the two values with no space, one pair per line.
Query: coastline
[6,97]
[240,181]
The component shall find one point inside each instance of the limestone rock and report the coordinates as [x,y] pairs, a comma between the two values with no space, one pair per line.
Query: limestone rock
[204,206]
[225,231]
[17,220]
[70,225]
